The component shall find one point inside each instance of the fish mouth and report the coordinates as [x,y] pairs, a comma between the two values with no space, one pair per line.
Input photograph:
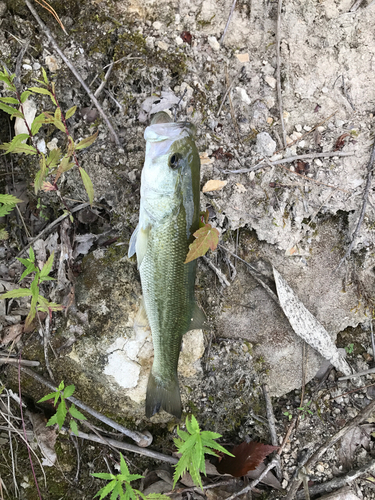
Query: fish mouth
[171,131]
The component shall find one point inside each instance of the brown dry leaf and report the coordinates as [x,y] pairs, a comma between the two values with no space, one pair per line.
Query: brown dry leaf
[214,185]
[11,333]
[45,436]
[247,457]
[359,436]
[269,479]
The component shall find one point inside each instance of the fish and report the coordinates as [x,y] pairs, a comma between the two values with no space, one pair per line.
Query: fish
[168,216]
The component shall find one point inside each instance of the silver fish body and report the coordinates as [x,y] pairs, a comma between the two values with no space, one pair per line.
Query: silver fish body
[168,217]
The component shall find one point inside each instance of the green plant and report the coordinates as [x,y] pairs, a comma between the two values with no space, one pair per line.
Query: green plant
[38,302]
[193,445]
[117,482]
[305,410]
[7,204]
[59,417]
[288,414]
[55,162]
[349,348]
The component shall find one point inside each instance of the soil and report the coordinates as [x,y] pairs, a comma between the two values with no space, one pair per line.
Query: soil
[298,217]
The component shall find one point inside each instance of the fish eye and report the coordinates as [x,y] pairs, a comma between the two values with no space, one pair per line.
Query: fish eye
[174,160]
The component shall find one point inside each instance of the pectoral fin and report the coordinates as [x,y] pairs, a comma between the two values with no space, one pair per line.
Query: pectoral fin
[198,318]
[141,320]
[142,242]
[133,242]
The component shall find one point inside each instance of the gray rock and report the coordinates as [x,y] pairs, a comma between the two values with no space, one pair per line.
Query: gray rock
[265,145]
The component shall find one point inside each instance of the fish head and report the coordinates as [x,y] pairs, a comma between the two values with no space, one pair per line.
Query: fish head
[171,172]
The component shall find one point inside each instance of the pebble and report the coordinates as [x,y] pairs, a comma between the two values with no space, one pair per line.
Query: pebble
[3,8]
[318,162]
[27,67]
[162,45]
[157,25]
[265,145]
[271,81]
[298,127]
[243,94]
[307,128]
[320,467]
[214,44]
[36,66]
[179,40]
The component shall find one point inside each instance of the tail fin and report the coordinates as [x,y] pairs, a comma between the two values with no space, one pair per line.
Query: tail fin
[163,396]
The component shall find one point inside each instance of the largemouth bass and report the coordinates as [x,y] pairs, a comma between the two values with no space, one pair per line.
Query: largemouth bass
[168,217]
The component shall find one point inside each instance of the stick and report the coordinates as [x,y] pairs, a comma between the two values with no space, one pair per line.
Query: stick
[53,224]
[372,339]
[13,361]
[278,75]
[129,447]
[339,482]
[141,439]
[228,22]
[254,274]
[222,278]
[290,159]
[270,466]
[271,425]
[370,168]
[355,6]
[362,415]
[53,42]
[225,96]
[358,374]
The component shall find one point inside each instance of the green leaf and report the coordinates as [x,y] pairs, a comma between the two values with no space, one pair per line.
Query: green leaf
[9,100]
[70,112]
[76,414]
[123,466]
[88,185]
[157,496]
[53,158]
[103,475]
[31,254]
[34,288]
[85,143]
[51,395]
[47,266]
[4,235]
[40,90]
[16,141]
[29,269]
[24,96]
[41,174]
[10,110]
[52,421]
[74,427]
[25,262]
[59,124]
[9,199]
[61,386]
[207,238]
[37,123]
[68,391]
[106,490]
[19,148]
[14,294]
[45,78]
[61,413]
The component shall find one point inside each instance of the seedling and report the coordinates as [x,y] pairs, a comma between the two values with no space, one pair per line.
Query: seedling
[305,410]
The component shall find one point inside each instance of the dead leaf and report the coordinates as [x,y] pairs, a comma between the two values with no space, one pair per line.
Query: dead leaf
[353,439]
[154,104]
[243,57]
[307,326]
[219,154]
[11,334]
[214,185]
[83,244]
[187,37]
[206,237]
[45,436]
[269,479]
[247,457]
[340,143]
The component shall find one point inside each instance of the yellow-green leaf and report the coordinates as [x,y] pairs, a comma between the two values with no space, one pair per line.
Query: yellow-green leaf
[207,238]
[40,90]
[85,143]
[70,112]
[88,184]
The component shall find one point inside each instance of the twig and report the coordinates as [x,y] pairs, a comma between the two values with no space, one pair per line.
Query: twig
[370,168]
[225,96]
[233,114]
[52,225]
[16,489]
[278,74]
[358,374]
[53,42]
[101,86]
[76,446]
[270,466]
[222,278]
[290,159]
[129,447]
[362,415]
[13,361]
[287,435]
[24,430]
[45,335]
[303,375]
[339,482]
[355,6]
[141,439]
[254,273]
[228,22]
[372,339]
[271,425]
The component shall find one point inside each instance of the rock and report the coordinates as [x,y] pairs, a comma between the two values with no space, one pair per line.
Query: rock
[243,95]
[52,63]
[265,145]
[3,8]
[345,493]
[162,45]
[271,81]
[214,44]
[157,25]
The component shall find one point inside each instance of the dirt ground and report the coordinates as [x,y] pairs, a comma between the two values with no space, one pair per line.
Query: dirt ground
[283,103]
